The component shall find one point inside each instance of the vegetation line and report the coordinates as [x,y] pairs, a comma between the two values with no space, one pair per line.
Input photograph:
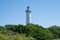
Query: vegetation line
[29,32]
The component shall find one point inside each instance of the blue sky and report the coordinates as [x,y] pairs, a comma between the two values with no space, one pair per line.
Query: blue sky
[44,12]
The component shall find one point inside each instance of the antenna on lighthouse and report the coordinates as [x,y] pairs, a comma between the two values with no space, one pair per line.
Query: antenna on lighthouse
[28,1]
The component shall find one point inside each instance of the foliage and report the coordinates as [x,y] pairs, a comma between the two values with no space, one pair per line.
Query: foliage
[10,35]
[29,32]
[55,30]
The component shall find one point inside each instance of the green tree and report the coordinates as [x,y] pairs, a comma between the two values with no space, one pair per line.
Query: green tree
[38,32]
[55,30]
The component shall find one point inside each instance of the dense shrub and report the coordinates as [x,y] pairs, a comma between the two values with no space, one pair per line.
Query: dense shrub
[28,32]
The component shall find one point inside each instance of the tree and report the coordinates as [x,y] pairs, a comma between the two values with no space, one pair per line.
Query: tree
[39,32]
[55,30]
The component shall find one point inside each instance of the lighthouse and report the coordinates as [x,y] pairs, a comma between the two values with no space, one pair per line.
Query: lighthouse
[28,15]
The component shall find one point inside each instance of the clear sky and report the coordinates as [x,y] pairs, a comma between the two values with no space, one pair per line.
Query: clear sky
[44,12]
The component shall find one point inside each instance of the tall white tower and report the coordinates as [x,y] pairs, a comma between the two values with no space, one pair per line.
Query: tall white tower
[28,15]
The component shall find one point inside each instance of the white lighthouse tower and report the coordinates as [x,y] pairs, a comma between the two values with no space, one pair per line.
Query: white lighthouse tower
[28,15]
